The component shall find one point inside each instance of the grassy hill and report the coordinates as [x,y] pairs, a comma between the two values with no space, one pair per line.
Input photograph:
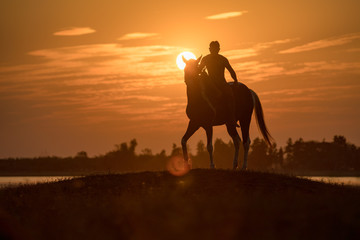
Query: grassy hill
[204,204]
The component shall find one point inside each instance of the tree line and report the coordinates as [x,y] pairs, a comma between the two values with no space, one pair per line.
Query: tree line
[296,156]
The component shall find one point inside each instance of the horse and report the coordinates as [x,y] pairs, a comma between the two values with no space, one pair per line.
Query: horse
[203,114]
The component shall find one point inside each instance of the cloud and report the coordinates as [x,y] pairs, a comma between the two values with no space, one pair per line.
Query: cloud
[266,45]
[318,90]
[320,67]
[75,31]
[108,59]
[254,50]
[353,50]
[321,99]
[256,63]
[88,81]
[137,35]
[324,43]
[257,71]
[240,53]
[226,15]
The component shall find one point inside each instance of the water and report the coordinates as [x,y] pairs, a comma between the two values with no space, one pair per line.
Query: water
[13,181]
[354,181]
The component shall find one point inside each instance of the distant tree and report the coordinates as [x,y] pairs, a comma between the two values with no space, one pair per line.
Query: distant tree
[123,157]
[345,153]
[273,157]
[161,154]
[289,152]
[281,158]
[176,151]
[339,140]
[160,160]
[133,145]
[146,152]
[201,159]
[81,154]
[121,147]
[201,151]
[124,149]
[258,156]
[337,155]
[200,148]
[223,154]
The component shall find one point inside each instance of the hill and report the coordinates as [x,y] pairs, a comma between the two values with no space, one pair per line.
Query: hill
[204,204]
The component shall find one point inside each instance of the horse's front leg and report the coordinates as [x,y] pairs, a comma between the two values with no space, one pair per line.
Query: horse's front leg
[209,136]
[191,129]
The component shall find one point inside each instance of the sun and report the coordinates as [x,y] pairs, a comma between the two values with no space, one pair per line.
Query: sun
[187,55]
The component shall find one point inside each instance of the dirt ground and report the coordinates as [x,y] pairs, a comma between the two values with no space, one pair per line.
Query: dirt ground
[203,204]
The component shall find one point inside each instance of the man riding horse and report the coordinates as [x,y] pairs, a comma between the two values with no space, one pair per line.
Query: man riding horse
[214,102]
[215,65]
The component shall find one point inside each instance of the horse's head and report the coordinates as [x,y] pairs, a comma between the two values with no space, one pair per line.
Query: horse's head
[191,69]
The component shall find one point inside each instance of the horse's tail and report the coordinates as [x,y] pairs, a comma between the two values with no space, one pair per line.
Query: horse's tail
[260,118]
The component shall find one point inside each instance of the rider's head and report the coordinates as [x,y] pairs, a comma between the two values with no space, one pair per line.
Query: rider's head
[214,47]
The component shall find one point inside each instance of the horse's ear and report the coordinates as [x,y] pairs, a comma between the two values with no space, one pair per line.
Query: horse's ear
[199,59]
[184,59]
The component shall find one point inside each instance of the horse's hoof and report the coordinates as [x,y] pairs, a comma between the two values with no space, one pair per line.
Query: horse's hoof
[243,168]
[212,166]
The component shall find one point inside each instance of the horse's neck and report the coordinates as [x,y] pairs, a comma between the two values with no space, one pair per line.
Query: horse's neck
[194,96]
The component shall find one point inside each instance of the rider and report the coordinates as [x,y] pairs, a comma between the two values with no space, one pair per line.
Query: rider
[215,65]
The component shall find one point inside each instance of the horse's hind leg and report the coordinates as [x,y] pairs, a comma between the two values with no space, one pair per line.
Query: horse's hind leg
[246,153]
[236,140]
[209,135]
[191,129]
[245,125]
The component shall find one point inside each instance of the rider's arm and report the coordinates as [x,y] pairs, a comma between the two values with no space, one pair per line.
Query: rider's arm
[231,70]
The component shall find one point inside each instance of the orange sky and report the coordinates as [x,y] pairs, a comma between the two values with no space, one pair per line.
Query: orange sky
[85,75]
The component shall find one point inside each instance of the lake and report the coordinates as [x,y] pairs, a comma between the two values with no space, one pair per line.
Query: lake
[13,181]
[354,181]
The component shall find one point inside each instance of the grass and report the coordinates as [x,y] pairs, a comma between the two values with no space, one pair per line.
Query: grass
[204,204]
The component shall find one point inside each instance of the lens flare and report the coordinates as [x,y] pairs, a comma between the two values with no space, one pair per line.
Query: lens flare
[177,166]
[187,55]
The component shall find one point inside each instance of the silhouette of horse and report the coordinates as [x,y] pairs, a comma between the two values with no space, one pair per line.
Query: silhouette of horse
[206,111]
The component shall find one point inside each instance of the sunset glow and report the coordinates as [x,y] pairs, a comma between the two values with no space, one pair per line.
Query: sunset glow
[91,74]
[177,167]
[187,55]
